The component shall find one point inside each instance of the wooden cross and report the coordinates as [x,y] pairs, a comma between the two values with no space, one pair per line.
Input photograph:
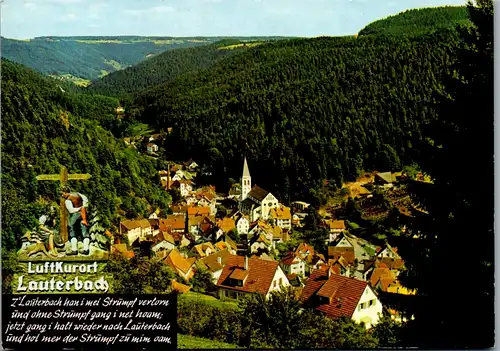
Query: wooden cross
[63,177]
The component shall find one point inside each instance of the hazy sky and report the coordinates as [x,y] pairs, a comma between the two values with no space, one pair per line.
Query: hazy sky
[23,19]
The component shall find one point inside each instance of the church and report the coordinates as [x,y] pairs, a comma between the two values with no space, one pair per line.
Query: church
[255,202]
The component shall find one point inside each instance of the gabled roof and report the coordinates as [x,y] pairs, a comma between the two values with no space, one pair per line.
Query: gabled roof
[343,293]
[381,273]
[346,252]
[281,212]
[178,262]
[198,211]
[211,261]
[136,223]
[201,248]
[122,250]
[387,177]
[258,193]
[175,222]
[259,239]
[226,224]
[337,224]
[390,263]
[290,258]
[303,248]
[260,274]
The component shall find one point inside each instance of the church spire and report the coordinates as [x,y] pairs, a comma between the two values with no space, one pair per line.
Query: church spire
[246,172]
[246,181]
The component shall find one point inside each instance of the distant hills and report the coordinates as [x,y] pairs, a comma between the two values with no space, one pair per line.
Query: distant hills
[83,59]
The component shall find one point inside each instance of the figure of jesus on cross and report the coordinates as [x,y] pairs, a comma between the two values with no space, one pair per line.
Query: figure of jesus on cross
[74,204]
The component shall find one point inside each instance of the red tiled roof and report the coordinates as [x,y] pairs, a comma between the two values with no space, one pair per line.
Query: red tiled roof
[198,211]
[176,222]
[303,248]
[380,273]
[260,274]
[288,260]
[138,223]
[343,293]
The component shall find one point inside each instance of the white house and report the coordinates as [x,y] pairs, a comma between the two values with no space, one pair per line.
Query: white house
[293,264]
[282,217]
[242,276]
[134,229]
[185,187]
[337,227]
[242,225]
[339,296]
[151,148]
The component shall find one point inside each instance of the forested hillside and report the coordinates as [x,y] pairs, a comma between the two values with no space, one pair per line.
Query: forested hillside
[305,111]
[89,58]
[419,21]
[44,128]
[167,66]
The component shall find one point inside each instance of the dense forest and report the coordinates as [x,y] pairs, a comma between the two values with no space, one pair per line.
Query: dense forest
[305,111]
[419,21]
[165,67]
[44,127]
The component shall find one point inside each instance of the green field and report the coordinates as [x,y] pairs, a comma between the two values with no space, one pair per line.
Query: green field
[193,342]
[209,300]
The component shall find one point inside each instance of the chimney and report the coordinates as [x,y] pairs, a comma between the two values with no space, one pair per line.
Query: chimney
[246,263]
[329,272]
[219,260]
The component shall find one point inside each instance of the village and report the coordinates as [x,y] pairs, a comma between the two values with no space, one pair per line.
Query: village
[243,239]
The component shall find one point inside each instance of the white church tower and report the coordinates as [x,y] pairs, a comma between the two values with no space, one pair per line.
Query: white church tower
[246,181]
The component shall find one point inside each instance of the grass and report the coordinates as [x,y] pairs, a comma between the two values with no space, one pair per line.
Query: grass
[193,342]
[103,73]
[209,300]
[70,78]
[248,45]
[115,64]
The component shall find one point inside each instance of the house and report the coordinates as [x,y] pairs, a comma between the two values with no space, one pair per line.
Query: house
[214,263]
[305,251]
[338,296]
[185,186]
[207,199]
[347,252]
[121,250]
[279,235]
[134,229]
[282,217]
[198,211]
[179,210]
[255,202]
[226,224]
[163,241]
[293,264]
[229,244]
[242,223]
[203,249]
[242,276]
[340,266]
[363,250]
[336,228]
[298,219]
[173,223]
[388,252]
[151,148]
[184,267]
[385,179]
[259,243]
[234,192]
[300,205]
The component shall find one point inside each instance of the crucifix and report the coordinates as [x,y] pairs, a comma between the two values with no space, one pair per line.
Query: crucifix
[63,178]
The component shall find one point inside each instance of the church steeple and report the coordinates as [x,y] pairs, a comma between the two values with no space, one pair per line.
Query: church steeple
[246,181]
